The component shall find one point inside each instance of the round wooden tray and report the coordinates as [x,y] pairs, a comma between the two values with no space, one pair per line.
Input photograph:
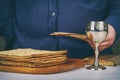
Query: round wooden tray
[71,64]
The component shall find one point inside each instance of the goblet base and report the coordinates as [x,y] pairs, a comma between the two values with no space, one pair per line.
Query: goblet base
[93,67]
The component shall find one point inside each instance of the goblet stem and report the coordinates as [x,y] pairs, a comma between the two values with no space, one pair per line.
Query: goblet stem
[96,65]
[96,62]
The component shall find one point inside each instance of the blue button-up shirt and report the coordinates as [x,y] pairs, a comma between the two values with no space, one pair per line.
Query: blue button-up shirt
[28,23]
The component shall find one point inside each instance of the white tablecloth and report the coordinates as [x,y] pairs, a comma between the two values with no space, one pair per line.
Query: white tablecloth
[111,73]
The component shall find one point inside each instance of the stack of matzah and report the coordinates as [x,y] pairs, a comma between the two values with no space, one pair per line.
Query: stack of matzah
[32,58]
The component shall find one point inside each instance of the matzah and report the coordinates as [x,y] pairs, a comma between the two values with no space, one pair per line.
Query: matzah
[32,57]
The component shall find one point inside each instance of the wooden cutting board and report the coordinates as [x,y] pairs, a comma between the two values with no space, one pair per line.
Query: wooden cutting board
[68,66]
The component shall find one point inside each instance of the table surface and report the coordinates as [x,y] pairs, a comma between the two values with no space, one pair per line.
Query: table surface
[111,73]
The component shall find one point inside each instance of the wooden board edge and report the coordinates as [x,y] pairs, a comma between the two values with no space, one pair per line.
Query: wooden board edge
[71,65]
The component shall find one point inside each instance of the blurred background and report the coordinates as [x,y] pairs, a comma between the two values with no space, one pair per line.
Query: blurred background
[2,43]
[116,46]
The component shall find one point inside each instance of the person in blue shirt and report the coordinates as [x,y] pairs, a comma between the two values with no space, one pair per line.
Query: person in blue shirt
[28,23]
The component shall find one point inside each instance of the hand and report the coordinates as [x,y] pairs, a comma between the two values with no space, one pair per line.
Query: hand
[107,42]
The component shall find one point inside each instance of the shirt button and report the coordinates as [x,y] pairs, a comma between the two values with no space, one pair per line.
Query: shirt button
[53,13]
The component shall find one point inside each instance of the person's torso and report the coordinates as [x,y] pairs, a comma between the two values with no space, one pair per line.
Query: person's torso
[36,19]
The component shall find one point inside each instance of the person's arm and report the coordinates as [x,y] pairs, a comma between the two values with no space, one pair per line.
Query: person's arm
[113,19]
[6,19]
